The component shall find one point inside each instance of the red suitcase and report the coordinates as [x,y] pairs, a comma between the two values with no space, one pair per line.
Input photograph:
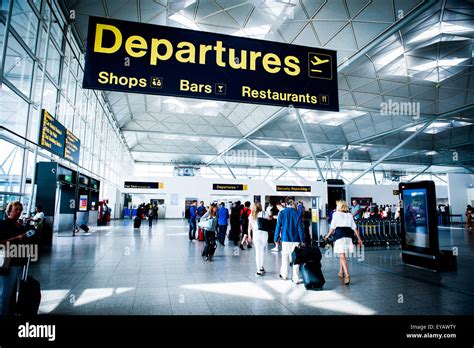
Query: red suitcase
[201,235]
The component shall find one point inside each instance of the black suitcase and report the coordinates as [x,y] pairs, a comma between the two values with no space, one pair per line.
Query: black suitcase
[305,255]
[137,222]
[312,274]
[211,246]
[29,295]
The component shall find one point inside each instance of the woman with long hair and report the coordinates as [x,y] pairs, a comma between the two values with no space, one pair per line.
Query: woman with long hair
[260,237]
[343,226]
[210,233]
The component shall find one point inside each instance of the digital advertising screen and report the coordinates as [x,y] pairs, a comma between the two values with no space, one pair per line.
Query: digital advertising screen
[416,217]
[83,203]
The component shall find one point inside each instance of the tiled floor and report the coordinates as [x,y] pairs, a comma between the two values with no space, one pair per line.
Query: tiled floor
[157,271]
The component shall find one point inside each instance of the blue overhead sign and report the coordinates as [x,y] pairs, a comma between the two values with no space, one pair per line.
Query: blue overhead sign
[153,59]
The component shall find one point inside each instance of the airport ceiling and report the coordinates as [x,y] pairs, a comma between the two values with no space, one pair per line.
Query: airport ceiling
[388,51]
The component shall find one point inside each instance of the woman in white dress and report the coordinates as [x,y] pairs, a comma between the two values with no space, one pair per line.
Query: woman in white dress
[260,238]
[343,226]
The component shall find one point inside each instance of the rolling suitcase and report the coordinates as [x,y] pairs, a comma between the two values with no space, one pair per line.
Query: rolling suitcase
[137,222]
[200,235]
[305,255]
[312,274]
[211,246]
[29,295]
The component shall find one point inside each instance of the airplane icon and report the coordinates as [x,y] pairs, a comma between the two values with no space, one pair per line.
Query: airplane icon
[317,61]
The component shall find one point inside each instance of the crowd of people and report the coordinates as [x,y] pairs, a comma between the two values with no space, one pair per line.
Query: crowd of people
[248,226]
[372,211]
[148,212]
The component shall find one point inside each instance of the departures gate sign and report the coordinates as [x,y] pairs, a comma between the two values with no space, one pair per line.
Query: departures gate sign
[153,59]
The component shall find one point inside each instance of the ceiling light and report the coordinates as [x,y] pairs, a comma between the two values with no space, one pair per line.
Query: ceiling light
[254,31]
[443,63]
[177,17]
[386,59]
[440,28]
[431,153]
[272,143]
[330,118]
[207,104]
[174,101]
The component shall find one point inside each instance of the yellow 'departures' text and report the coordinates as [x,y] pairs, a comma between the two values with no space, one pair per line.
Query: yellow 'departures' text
[159,50]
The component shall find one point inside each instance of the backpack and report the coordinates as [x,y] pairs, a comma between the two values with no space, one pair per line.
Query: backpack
[187,213]
[244,218]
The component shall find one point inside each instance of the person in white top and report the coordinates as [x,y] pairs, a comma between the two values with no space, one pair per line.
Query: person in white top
[260,238]
[38,218]
[343,226]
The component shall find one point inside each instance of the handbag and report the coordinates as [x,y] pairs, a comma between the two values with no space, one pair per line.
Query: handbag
[263,224]
[205,224]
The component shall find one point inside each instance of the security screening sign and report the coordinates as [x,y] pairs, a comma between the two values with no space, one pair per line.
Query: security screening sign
[153,59]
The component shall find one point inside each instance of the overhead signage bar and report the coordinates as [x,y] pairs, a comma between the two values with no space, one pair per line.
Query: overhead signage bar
[71,148]
[143,185]
[293,188]
[153,59]
[54,137]
[52,134]
[229,187]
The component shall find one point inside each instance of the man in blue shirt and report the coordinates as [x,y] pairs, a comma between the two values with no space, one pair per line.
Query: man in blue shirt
[201,210]
[222,218]
[192,220]
[356,210]
[301,209]
[292,235]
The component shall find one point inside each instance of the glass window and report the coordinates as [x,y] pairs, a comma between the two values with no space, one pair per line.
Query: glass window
[69,116]
[42,47]
[37,4]
[18,66]
[25,22]
[2,32]
[54,62]
[13,111]
[50,95]
[74,65]
[56,32]
[64,76]
[71,92]
[11,159]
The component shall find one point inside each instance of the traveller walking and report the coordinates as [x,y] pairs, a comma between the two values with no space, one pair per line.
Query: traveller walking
[292,235]
[244,217]
[259,237]
[192,220]
[222,220]
[343,226]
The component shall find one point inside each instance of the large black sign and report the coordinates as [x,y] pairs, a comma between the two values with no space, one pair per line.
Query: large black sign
[293,188]
[152,59]
[142,185]
[71,147]
[52,134]
[229,187]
